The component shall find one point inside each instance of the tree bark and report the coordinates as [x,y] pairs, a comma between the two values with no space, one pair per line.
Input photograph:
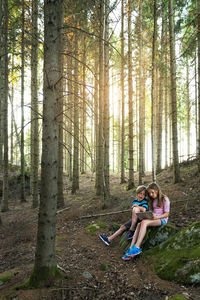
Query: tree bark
[75,179]
[188,108]
[176,168]
[34,103]
[45,257]
[5,113]
[106,115]
[23,199]
[198,39]
[122,180]
[100,148]
[130,103]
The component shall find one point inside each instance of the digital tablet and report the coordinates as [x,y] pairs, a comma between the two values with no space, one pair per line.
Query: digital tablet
[145,215]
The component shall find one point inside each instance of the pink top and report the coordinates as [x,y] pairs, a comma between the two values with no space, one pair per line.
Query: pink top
[161,210]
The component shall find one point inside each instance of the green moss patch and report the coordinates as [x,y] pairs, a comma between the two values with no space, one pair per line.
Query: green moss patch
[178,259]
[95,226]
[178,297]
[104,266]
[6,276]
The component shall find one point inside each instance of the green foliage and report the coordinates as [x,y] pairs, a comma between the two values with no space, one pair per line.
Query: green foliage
[178,297]
[96,226]
[5,277]
[104,266]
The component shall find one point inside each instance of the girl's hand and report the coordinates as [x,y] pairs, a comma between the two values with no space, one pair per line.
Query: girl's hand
[135,205]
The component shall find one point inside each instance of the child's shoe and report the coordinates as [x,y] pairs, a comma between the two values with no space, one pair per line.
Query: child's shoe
[104,239]
[126,257]
[133,251]
[130,234]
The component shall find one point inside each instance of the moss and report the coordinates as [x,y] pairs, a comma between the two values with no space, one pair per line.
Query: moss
[104,266]
[61,237]
[59,250]
[178,297]
[178,259]
[42,276]
[96,226]
[5,277]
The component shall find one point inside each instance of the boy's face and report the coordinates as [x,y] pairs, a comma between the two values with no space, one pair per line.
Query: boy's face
[141,195]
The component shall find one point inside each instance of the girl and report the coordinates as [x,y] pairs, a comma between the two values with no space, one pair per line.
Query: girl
[160,206]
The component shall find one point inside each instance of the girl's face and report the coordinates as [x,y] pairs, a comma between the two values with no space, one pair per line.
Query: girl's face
[153,193]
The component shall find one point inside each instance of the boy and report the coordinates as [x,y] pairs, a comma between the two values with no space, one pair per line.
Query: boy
[140,204]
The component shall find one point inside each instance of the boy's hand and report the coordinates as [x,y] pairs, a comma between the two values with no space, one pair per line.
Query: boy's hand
[135,205]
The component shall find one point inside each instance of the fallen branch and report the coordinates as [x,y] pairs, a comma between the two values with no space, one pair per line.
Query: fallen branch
[105,214]
[59,211]
[63,270]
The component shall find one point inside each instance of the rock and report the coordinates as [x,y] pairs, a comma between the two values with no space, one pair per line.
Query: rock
[87,275]
[154,236]
[178,259]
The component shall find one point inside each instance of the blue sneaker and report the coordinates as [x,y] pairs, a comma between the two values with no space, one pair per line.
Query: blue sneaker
[130,234]
[133,251]
[126,257]
[104,239]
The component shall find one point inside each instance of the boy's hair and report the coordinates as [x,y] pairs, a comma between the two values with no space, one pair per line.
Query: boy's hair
[155,186]
[141,188]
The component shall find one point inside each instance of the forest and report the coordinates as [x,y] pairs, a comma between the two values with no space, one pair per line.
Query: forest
[97,97]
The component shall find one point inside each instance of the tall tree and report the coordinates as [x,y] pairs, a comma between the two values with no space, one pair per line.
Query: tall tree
[1,81]
[153,88]
[130,101]
[5,112]
[34,104]
[23,199]
[160,103]
[122,95]
[60,200]
[176,168]
[198,41]
[45,257]
[83,117]
[100,148]
[106,117]
[75,179]
[188,107]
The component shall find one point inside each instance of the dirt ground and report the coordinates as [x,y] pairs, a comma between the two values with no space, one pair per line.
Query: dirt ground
[82,255]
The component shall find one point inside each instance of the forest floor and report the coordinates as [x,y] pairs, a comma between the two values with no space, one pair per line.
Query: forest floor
[93,270]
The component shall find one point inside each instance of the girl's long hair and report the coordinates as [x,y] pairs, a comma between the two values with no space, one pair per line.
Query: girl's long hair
[155,186]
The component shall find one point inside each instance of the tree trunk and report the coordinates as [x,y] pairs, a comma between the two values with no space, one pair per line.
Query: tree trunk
[45,257]
[176,168]
[106,116]
[130,103]
[5,112]
[160,104]
[1,82]
[96,109]
[23,199]
[188,108]
[141,99]
[34,102]
[12,122]
[122,95]
[75,179]
[198,39]
[153,84]
[69,110]
[60,200]
[100,150]
[83,125]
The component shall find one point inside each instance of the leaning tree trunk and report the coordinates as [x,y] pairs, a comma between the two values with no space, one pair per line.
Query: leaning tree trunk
[45,257]
[22,109]
[153,87]
[176,168]
[5,112]
[130,103]
[122,95]
[34,101]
